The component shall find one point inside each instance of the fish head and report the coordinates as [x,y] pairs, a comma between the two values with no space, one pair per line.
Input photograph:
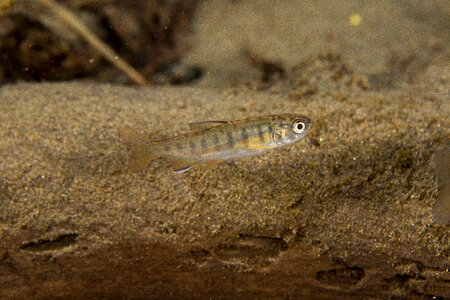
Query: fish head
[290,128]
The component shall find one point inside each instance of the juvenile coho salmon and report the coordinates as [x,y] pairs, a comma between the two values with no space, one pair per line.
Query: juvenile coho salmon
[214,141]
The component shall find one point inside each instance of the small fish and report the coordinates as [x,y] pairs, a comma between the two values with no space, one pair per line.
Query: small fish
[214,141]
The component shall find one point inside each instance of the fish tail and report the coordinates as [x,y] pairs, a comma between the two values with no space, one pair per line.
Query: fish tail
[141,149]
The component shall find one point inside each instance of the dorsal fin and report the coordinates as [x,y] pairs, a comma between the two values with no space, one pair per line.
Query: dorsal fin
[205,125]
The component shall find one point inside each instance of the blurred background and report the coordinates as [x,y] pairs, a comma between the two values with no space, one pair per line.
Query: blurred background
[222,43]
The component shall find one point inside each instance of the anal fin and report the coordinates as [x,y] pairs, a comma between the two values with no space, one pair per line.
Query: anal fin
[179,165]
[214,162]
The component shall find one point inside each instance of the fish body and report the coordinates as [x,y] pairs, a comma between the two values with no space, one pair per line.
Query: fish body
[215,141]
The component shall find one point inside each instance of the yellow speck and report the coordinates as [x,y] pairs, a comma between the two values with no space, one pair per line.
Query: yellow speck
[355,19]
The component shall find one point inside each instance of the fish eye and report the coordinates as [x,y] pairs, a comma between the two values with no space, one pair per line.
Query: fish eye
[299,126]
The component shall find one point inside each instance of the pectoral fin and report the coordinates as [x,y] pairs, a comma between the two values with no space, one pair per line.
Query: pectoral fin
[254,143]
[205,125]
[179,165]
[258,147]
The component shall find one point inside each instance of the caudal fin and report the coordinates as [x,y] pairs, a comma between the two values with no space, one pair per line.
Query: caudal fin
[140,148]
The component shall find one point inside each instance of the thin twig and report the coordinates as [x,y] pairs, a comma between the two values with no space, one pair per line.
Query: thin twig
[95,42]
